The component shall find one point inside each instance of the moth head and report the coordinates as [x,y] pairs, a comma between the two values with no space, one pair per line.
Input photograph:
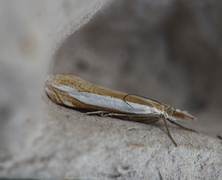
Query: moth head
[174,114]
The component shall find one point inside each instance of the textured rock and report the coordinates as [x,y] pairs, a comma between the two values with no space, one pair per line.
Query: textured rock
[166,50]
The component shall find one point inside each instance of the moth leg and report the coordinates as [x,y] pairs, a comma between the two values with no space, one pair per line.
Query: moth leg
[183,126]
[135,117]
[145,116]
[165,124]
[119,115]
[102,113]
[147,121]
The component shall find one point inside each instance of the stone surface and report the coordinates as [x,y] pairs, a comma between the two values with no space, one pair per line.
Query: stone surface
[165,50]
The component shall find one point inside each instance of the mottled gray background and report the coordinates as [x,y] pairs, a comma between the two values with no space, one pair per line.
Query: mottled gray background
[168,50]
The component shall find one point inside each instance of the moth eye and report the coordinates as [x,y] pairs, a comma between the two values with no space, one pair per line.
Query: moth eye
[169,111]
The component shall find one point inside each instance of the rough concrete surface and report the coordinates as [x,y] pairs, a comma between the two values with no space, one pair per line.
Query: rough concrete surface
[166,50]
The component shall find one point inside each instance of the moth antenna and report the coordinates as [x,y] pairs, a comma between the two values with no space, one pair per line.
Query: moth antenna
[124,99]
[183,115]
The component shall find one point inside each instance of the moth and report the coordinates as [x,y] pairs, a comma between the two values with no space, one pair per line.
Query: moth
[72,91]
